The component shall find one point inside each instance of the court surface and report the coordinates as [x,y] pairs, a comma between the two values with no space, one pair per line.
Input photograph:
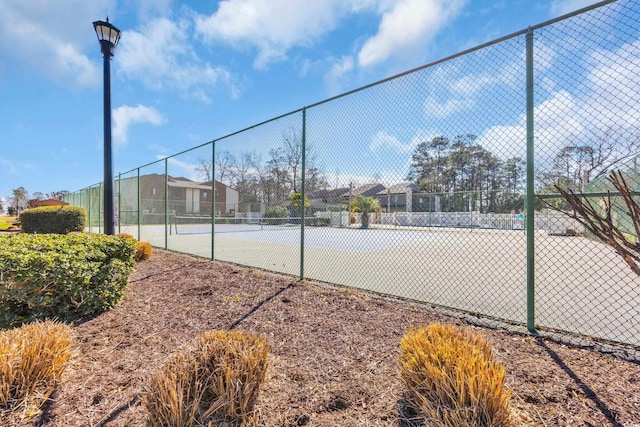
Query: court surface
[581,286]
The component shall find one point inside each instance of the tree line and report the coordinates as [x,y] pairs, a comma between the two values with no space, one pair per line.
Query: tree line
[19,199]
[466,176]
[269,180]
[461,173]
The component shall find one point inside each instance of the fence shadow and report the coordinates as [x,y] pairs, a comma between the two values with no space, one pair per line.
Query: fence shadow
[588,391]
[260,304]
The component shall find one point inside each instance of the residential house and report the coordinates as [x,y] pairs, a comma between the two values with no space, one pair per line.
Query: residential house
[326,199]
[46,202]
[397,198]
[184,197]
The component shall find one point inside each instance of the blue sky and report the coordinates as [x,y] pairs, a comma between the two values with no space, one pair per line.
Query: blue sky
[185,73]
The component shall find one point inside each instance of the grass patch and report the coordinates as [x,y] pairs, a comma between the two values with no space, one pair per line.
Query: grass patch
[214,383]
[452,378]
[33,359]
[7,221]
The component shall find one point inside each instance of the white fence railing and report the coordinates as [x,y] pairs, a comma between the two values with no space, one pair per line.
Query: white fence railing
[552,223]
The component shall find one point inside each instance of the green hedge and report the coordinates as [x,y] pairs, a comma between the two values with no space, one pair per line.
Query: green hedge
[276,212]
[318,222]
[53,219]
[64,277]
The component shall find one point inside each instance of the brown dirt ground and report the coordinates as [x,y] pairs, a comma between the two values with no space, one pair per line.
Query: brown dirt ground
[333,354]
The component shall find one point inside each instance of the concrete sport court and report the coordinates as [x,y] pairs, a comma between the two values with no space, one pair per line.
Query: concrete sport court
[581,286]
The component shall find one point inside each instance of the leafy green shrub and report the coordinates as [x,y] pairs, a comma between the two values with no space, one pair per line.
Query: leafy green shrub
[61,276]
[276,214]
[32,361]
[53,219]
[214,383]
[452,378]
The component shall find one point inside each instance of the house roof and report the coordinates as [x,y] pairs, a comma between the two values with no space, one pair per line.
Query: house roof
[328,194]
[367,190]
[398,189]
[218,183]
[47,202]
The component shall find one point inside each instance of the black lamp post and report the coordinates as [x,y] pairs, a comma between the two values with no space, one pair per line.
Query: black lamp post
[108,36]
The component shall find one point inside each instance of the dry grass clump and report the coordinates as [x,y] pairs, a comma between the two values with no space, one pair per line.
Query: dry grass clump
[214,383]
[32,361]
[452,378]
[143,251]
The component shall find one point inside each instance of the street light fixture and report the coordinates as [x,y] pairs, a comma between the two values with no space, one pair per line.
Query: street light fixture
[108,36]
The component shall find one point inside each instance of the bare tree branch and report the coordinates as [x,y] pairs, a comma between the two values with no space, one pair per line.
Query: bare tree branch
[602,224]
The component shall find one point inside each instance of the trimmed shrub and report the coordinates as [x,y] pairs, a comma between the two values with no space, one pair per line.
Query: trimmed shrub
[452,378]
[276,214]
[125,235]
[318,222]
[53,219]
[143,251]
[33,359]
[214,383]
[61,276]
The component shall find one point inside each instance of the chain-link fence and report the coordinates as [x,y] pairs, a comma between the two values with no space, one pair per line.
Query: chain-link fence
[436,185]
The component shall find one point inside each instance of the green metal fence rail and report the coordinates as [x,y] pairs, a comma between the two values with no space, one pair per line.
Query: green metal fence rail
[429,185]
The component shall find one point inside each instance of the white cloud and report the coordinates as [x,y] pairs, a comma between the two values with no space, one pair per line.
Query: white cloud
[125,116]
[383,140]
[562,7]
[160,55]
[452,92]
[556,125]
[434,107]
[188,170]
[614,86]
[409,26]
[604,105]
[336,74]
[274,26]
[26,34]
[149,9]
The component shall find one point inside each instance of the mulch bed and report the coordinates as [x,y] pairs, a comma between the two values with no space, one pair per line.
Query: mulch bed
[333,354]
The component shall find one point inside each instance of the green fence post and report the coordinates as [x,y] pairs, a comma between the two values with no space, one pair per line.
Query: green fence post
[139,199]
[213,198]
[166,203]
[302,192]
[119,200]
[531,309]
[101,208]
[89,210]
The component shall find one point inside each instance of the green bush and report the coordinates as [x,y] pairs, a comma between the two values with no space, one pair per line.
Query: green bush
[318,222]
[276,214]
[64,277]
[53,219]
